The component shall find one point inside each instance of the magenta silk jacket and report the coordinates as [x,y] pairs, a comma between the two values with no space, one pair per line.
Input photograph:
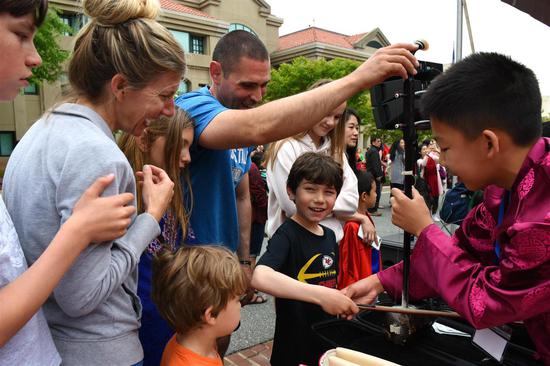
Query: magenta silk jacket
[464,270]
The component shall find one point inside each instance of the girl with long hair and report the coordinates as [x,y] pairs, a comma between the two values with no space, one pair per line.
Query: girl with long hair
[397,165]
[350,123]
[164,143]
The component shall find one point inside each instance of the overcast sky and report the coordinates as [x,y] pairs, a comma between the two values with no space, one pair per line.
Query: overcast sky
[496,26]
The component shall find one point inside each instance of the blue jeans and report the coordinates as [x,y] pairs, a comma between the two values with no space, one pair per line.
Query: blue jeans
[140,363]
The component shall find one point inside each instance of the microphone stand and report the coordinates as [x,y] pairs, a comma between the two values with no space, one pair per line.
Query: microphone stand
[403,321]
[410,137]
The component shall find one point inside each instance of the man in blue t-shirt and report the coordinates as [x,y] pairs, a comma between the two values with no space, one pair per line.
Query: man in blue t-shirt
[214,215]
[221,208]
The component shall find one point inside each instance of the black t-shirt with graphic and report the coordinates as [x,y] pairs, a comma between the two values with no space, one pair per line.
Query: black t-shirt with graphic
[306,257]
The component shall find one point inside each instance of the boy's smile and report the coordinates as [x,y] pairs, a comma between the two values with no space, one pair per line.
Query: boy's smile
[313,202]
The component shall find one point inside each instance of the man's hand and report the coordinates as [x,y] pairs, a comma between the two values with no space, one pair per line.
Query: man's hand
[157,190]
[364,291]
[102,218]
[411,215]
[394,60]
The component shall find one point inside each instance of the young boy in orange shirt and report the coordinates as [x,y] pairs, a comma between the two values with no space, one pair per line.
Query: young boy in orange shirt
[197,291]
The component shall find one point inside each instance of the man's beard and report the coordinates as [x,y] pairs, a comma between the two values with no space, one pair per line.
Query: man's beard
[234,103]
[238,104]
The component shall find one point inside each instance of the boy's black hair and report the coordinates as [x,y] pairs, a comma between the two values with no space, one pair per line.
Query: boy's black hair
[315,168]
[546,129]
[257,158]
[364,182]
[236,44]
[484,91]
[19,8]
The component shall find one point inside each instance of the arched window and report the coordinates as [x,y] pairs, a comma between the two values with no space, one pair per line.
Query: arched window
[238,26]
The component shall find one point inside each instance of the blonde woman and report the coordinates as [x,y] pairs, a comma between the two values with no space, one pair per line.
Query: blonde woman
[164,143]
[124,71]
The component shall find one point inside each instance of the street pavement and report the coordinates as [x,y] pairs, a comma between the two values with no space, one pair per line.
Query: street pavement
[258,321]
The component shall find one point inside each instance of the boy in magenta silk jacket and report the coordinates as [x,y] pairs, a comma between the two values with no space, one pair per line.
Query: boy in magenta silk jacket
[495,269]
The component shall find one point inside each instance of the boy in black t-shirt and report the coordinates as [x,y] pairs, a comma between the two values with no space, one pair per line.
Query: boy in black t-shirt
[300,265]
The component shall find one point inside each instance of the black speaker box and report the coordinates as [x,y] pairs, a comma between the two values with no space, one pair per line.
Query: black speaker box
[387,98]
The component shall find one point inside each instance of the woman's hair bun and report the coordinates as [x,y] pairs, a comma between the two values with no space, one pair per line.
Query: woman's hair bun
[113,12]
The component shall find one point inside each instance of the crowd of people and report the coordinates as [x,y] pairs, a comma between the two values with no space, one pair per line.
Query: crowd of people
[141,250]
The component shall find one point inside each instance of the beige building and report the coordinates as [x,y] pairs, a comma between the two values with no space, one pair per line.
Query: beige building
[196,24]
[318,43]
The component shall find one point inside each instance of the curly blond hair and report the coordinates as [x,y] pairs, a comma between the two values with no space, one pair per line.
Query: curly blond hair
[190,280]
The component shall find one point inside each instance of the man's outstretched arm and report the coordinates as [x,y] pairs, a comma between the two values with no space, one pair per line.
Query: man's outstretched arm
[289,116]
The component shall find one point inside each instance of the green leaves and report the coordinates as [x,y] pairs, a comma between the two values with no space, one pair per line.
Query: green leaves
[46,42]
[295,77]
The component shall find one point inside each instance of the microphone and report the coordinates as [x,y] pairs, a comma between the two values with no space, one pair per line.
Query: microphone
[422,45]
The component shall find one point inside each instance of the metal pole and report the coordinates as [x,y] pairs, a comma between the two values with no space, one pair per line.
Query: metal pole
[458,45]
[410,311]
[468,26]
[409,135]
